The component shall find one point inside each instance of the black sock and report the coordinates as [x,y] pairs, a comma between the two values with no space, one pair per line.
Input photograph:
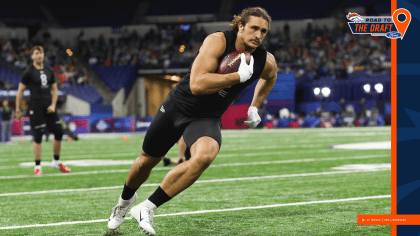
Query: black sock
[37,162]
[159,197]
[57,157]
[128,192]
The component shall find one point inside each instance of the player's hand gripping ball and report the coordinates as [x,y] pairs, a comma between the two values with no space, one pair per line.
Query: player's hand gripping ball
[239,61]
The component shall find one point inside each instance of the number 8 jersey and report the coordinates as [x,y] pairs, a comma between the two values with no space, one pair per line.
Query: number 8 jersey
[39,83]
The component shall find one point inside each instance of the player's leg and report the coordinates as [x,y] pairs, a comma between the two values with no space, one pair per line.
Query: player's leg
[162,134]
[164,131]
[203,151]
[54,125]
[37,134]
[140,170]
[37,122]
[178,179]
[138,174]
[204,137]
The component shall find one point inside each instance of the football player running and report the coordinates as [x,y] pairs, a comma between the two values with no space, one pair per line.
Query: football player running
[193,109]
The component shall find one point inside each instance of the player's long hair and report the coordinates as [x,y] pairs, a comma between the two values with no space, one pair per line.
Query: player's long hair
[39,48]
[246,13]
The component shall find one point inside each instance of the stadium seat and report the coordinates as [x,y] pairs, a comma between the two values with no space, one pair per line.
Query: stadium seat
[87,93]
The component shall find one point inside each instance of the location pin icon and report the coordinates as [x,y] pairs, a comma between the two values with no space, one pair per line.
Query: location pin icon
[401,26]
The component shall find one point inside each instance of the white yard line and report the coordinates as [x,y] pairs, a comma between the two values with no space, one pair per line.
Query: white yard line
[276,205]
[81,153]
[207,211]
[211,166]
[123,154]
[136,154]
[225,148]
[66,174]
[197,182]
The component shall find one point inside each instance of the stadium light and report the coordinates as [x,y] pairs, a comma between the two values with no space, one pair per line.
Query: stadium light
[326,91]
[379,88]
[317,91]
[366,87]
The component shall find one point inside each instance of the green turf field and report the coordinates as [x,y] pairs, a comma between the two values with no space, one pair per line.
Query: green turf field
[263,182]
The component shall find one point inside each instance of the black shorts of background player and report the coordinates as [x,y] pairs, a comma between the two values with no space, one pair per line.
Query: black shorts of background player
[193,109]
[183,154]
[47,134]
[41,82]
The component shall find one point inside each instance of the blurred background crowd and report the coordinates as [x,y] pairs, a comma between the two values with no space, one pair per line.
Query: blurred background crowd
[340,78]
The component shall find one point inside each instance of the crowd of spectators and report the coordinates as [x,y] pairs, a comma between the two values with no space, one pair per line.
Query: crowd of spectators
[321,52]
[170,46]
[325,52]
[68,70]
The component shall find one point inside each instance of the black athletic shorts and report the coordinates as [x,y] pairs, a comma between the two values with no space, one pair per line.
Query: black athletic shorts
[39,118]
[169,124]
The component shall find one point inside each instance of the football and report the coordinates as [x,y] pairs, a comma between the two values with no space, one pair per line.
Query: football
[231,62]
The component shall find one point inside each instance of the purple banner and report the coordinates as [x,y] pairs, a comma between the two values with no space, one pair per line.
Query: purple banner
[142,124]
[102,125]
[124,124]
[78,125]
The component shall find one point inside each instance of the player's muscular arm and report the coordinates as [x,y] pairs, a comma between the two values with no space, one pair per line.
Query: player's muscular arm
[266,82]
[204,78]
[54,95]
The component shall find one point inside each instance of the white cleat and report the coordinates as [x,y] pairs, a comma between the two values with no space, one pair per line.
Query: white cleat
[119,211]
[144,216]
